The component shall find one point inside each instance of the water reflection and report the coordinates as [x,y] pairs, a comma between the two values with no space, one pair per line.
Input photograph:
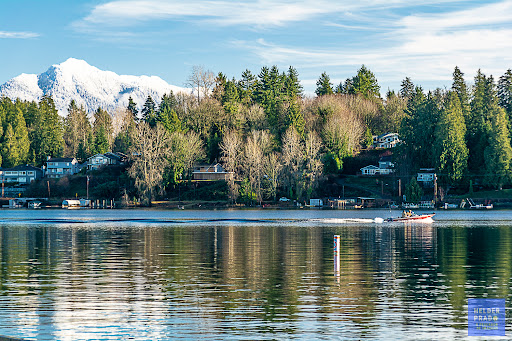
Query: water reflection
[236,281]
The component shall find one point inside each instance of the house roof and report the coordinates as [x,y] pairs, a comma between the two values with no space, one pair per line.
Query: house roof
[386,158]
[426,170]
[22,168]
[386,134]
[61,159]
[90,157]
[110,155]
[113,156]
[370,167]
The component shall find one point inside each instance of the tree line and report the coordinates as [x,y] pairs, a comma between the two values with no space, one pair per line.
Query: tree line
[274,138]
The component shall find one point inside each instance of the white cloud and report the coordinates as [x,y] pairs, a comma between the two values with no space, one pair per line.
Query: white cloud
[18,35]
[425,48]
[259,13]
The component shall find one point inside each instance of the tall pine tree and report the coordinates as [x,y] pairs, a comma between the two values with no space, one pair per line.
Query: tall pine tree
[450,143]
[498,153]
[323,85]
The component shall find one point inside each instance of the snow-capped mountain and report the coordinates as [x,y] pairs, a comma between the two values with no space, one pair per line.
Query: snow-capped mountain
[88,86]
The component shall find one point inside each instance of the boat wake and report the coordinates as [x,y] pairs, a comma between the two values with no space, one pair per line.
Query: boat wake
[347,220]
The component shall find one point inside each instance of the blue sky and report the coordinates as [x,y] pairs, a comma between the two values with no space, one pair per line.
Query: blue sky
[420,39]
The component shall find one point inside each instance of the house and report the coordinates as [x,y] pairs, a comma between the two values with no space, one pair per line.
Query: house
[385,167]
[100,160]
[22,174]
[59,167]
[369,170]
[211,172]
[426,177]
[388,140]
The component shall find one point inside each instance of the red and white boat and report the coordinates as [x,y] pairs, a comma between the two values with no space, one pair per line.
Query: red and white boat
[420,218]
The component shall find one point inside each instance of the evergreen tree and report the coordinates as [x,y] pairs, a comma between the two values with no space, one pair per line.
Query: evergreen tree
[102,131]
[20,133]
[230,97]
[365,83]
[220,84]
[132,107]
[46,132]
[169,102]
[295,118]
[460,88]
[498,153]
[101,143]
[348,87]
[450,144]
[10,154]
[247,87]
[323,85]
[413,191]
[339,89]
[292,84]
[505,93]
[483,107]
[269,94]
[169,120]
[148,111]
[407,88]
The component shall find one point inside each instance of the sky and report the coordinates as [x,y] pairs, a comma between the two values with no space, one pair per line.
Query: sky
[423,40]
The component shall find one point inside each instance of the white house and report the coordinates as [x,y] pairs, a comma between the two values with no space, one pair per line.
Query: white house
[369,170]
[388,140]
[100,160]
[385,167]
[426,176]
[61,166]
[22,174]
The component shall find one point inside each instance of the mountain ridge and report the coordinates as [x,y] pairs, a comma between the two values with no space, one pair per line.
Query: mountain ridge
[89,86]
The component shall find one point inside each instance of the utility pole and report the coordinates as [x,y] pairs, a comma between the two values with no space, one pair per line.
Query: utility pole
[400,189]
[87,187]
[48,182]
[435,188]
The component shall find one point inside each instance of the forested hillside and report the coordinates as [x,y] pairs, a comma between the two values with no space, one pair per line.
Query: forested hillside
[276,140]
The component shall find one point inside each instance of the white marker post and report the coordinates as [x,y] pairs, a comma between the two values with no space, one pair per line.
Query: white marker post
[337,255]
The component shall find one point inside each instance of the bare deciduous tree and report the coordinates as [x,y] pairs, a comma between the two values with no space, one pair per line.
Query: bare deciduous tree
[313,164]
[119,119]
[252,162]
[293,158]
[201,81]
[272,167]
[231,149]
[148,154]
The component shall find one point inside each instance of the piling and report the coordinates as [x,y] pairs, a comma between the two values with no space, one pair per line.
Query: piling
[337,254]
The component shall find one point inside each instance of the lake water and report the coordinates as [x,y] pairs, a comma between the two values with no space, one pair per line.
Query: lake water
[248,274]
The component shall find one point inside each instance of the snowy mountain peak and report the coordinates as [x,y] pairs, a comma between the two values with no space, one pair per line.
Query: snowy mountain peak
[89,86]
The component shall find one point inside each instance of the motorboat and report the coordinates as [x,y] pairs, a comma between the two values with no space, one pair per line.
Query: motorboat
[420,218]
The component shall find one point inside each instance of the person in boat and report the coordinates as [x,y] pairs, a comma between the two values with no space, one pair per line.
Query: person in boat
[407,214]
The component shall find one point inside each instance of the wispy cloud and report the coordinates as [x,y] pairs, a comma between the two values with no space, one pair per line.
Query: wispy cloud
[18,35]
[259,13]
[425,47]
